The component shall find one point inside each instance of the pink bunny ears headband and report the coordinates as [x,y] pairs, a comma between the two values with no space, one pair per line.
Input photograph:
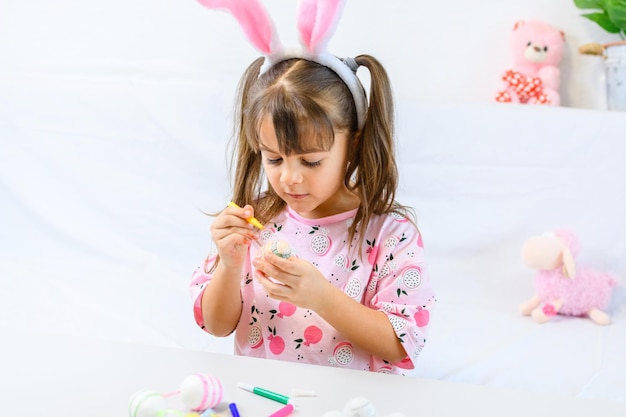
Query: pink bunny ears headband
[316,24]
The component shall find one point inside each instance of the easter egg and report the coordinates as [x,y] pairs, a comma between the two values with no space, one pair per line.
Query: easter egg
[279,248]
[359,407]
[146,403]
[200,391]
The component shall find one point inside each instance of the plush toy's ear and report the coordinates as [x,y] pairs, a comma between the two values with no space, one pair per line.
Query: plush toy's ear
[569,266]
[518,24]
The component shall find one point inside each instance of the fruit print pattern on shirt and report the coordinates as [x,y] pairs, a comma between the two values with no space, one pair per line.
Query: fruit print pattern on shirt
[389,275]
[320,242]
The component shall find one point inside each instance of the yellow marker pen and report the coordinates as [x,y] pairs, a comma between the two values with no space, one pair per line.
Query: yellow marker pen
[252,220]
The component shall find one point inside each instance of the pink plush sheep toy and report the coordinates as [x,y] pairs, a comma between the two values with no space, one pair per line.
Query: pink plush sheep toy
[560,286]
[534,78]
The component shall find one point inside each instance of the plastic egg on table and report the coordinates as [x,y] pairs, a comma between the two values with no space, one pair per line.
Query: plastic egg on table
[146,403]
[200,391]
[359,407]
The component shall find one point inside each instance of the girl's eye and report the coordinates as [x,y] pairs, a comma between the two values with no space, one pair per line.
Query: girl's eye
[311,164]
[273,161]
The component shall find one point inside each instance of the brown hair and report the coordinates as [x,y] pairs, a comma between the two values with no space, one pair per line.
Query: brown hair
[308,101]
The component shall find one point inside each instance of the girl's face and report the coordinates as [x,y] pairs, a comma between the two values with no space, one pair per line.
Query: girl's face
[310,183]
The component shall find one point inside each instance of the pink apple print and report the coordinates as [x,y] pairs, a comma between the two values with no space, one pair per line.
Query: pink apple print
[420,243]
[312,335]
[285,309]
[422,316]
[372,252]
[277,344]
[405,363]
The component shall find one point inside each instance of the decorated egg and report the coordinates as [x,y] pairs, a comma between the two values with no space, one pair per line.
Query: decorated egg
[359,407]
[200,391]
[279,248]
[146,403]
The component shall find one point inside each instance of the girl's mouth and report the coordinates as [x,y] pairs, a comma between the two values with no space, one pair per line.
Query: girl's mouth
[297,196]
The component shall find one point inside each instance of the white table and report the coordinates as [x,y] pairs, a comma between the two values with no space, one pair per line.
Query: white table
[57,375]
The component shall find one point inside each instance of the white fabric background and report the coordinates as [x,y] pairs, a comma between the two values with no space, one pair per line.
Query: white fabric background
[114,119]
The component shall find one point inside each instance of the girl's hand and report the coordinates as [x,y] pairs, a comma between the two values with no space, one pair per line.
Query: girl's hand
[232,235]
[293,280]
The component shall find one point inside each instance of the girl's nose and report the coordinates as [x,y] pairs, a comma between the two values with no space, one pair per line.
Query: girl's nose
[290,175]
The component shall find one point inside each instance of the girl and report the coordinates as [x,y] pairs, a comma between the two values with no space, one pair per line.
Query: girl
[315,164]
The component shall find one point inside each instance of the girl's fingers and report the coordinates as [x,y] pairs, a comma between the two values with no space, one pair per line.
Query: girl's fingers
[273,289]
[242,214]
[232,222]
[288,265]
[268,270]
[232,217]
[240,234]
[227,224]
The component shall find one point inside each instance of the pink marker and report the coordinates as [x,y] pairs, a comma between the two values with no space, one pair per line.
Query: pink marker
[285,411]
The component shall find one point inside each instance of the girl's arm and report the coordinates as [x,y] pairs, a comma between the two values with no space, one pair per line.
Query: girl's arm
[305,286]
[366,328]
[221,302]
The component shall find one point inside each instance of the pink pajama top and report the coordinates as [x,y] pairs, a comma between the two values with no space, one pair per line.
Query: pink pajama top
[391,277]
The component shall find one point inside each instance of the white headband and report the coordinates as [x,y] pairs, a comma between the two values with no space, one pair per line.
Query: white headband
[317,20]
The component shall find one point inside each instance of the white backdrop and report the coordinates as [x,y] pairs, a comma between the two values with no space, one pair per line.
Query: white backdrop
[451,51]
[114,119]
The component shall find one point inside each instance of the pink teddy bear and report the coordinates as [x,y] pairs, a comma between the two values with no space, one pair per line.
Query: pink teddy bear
[560,286]
[537,49]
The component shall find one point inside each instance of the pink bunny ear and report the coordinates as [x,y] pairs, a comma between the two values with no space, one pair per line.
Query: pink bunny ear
[253,18]
[317,20]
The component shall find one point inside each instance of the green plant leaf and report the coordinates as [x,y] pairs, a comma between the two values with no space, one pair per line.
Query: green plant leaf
[616,10]
[610,15]
[590,4]
[602,19]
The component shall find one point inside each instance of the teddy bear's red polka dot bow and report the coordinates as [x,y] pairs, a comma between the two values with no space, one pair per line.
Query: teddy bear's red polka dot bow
[526,88]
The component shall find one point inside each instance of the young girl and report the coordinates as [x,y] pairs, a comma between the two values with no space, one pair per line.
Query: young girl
[315,164]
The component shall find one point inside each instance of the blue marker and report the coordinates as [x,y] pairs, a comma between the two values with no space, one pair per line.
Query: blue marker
[233,409]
